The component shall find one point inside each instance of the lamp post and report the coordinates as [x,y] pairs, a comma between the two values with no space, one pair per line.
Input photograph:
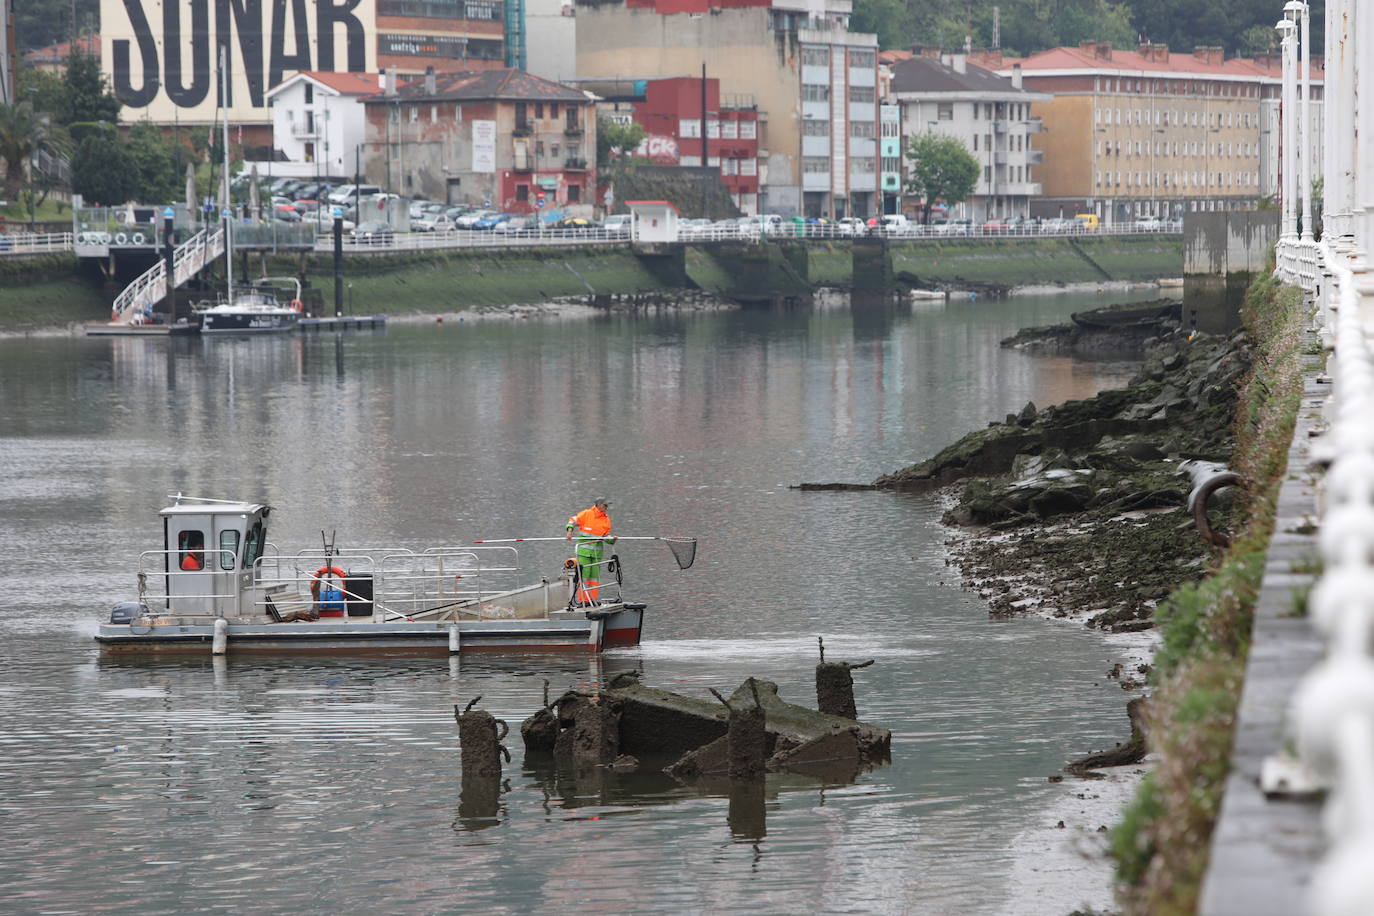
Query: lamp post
[1287,138]
[1297,11]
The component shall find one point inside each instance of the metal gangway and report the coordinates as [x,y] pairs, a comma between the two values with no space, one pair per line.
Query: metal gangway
[135,304]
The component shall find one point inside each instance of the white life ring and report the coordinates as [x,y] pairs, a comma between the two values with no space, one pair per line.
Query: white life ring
[138,238]
[121,239]
[104,238]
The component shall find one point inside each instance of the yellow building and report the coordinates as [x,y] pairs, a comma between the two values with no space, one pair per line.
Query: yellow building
[1147,132]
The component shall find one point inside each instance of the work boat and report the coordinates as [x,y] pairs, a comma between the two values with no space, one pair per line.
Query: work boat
[251,309]
[219,585]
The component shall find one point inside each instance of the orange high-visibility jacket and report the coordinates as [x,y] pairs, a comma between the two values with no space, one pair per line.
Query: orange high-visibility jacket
[591,522]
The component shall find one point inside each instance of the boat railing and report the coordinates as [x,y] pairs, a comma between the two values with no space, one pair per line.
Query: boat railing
[442,577]
[161,579]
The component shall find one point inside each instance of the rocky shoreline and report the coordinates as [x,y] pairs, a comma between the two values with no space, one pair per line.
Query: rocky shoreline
[1079,510]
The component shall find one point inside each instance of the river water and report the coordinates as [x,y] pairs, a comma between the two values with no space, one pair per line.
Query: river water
[333,786]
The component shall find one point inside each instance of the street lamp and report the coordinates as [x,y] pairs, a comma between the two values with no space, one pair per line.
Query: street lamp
[1287,143]
[1297,10]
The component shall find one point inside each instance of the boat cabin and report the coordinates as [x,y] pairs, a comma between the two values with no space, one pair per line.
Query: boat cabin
[209,549]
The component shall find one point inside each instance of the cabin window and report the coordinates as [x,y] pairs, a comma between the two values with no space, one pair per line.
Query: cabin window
[191,549]
[228,549]
[252,548]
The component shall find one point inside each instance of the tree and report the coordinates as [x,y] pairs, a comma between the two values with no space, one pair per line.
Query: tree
[45,90]
[155,155]
[88,98]
[103,171]
[941,169]
[24,132]
[614,139]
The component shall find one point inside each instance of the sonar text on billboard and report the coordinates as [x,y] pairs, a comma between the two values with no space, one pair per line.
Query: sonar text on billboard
[162,56]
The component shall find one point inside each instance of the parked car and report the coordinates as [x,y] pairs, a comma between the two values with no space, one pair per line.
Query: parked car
[492,221]
[469,219]
[955,227]
[618,224]
[432,222]
[323,221]
[306,206]
[851,226]
[373,232]
[285,213]
[572,222]
[995,226]
[517,225]
[1057,225]
[5,243]
[1148,224]
[349,194]
[1088,222]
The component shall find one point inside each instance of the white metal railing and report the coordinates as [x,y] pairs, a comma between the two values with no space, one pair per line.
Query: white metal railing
[1333,709]
[135,303]
[35,243]
[386,240]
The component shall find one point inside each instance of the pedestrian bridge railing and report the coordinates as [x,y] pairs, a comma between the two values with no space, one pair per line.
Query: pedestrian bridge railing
[136,302]
[25,243]
[1333,711]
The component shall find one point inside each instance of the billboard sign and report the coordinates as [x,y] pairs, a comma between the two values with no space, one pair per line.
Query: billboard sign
[162,56]
[484,146]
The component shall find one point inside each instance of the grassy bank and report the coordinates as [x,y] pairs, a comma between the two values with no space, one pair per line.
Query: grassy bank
[456,280]
[48,291]
[1162,841]
[55,290]
[1028,262]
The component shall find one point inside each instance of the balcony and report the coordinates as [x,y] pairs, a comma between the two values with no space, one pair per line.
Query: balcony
[1034,157]
[1034,126]
[575,164]
[999,126]
[304,130]
[1000,157]
[572,130]
[522,129]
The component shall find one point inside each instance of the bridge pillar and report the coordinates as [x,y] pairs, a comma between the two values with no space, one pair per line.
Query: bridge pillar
[767,273]
[872,265]
[667,261]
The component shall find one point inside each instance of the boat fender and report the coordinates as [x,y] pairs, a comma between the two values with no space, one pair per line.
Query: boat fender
[127,611]
[324,570]
[296,305]
[570,562]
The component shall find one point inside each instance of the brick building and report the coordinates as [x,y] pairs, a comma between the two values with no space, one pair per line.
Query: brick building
[444,34]
[501,138]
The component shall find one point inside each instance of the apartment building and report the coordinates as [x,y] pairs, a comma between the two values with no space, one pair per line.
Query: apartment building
[498,138]
[444,34]
[1150,132]
[990,114]
[813,81]
[318,118]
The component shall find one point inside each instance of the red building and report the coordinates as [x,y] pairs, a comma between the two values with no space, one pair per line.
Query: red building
[504,138]
[672,116]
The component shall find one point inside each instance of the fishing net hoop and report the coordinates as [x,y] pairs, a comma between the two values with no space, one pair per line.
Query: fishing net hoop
[684,550]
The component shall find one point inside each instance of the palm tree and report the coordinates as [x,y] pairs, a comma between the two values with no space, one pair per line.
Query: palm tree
[24,132]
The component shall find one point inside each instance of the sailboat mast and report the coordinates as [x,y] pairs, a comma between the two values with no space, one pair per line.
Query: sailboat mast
[227,211]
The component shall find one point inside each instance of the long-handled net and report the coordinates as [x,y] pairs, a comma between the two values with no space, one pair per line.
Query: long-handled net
[684,549]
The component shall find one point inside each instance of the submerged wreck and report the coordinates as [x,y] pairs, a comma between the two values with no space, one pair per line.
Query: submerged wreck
[631,726]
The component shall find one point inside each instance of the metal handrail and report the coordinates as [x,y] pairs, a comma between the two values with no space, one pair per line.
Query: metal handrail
[135,303]
[36,243]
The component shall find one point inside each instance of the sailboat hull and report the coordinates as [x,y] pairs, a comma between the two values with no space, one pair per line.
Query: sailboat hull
[229,321]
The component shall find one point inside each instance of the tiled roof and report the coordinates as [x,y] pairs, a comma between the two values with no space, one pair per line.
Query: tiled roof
[60,51]
[1068,58]
[477,85]
[922,74]
[346,83]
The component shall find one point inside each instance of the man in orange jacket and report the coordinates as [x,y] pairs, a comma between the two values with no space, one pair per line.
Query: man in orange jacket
[593,529]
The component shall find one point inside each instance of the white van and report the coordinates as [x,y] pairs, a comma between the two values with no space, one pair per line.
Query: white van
[895,224]
[347,195]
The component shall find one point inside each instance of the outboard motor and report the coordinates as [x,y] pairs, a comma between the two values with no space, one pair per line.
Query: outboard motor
[126,611]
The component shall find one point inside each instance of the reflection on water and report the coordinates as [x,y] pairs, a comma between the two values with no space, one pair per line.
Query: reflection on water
[319,786]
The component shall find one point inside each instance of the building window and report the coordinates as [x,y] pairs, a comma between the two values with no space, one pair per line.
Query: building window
[748,130]
[522,192]
[309,93]
[574,193]
[987,174]
[862,95]
[975,143]
[815,164]
[861,129]
[862,60]
[892,164]
[815,57]
[812,93]
[815,127]
[729,130]
[944,111]
[862,165]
